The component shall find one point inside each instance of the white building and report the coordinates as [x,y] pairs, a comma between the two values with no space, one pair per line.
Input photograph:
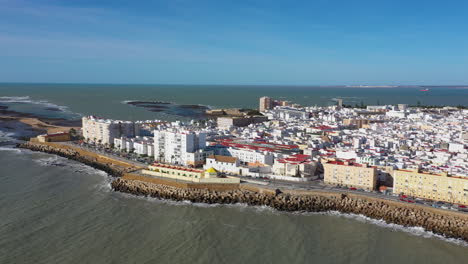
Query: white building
[251,156]
[456,147]
[224,164]
[104,131]
[173,146]
[298,165]
[140,145]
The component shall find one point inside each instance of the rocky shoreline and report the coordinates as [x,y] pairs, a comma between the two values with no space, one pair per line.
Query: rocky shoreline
[451,226]
[446,223]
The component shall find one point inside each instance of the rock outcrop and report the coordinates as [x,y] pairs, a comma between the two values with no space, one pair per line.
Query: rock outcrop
[449,225]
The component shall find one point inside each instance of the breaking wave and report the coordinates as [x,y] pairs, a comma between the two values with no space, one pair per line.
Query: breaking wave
[11,149]
[28,100]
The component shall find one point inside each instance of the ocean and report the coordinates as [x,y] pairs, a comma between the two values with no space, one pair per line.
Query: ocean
[54,210]
[110,100]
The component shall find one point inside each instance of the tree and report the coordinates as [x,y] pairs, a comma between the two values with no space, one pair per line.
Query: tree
[72,132]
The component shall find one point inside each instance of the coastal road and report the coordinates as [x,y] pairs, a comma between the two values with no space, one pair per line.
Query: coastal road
[315,185]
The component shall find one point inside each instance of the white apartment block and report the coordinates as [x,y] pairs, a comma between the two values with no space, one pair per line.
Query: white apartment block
[173,146]
[140,145]
[251,156]
[104,131]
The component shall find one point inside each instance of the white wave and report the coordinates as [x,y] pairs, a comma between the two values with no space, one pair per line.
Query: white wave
[12,149]
[29,100]
[144,100]
[15,99]
[76,167]
[7,136]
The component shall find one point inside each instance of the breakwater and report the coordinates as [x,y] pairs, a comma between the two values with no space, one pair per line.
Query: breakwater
[448,224]
[70,153]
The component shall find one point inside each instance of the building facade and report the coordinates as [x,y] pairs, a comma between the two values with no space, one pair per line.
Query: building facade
[224,164]
[237,121]
[54,137]
[188,174]
[439,187]
[173,146]
[104,131]
[266,103]
[350,175]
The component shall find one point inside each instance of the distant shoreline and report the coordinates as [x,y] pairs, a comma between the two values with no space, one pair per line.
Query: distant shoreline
[33,125]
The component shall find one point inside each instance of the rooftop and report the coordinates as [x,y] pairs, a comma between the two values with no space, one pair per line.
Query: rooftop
[223,158]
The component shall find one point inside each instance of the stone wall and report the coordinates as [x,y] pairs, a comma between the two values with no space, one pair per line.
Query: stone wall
[453,225]
[180,184]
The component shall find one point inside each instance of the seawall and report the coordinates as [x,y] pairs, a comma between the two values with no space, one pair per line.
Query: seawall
[448,224]
[88,158]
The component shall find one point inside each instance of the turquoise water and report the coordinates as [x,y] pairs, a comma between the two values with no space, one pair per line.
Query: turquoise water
[107,100]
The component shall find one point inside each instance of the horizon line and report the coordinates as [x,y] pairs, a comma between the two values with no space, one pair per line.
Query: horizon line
[217,84]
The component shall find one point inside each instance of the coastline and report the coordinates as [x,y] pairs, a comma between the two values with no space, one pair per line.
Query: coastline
[449,224]
[26,125]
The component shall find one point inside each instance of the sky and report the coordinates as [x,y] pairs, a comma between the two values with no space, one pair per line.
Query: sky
[315,42]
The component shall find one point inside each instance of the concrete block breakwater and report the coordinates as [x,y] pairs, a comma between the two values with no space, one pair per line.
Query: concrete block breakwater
[448,224]
[72,154]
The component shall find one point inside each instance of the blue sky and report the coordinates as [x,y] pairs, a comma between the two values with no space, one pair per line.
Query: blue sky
[315,42]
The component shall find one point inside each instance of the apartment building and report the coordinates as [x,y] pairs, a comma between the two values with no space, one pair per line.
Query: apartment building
[104,131]
[266,103]
[439,187]
[298,165]
[172,146]
[350,174]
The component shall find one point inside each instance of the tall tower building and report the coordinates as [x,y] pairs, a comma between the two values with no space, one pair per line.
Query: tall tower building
[339,102]
[173,146]
[265,104]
